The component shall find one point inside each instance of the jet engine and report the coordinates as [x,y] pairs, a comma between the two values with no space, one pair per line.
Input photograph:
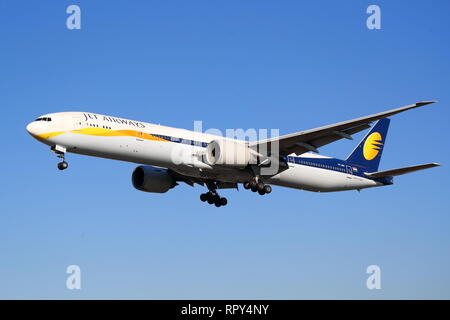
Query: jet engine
[229,153]
[152,179]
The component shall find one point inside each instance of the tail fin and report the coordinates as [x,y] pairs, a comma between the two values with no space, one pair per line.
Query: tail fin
[368,152]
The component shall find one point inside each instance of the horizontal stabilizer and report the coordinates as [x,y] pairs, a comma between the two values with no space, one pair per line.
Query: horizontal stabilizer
[400,171]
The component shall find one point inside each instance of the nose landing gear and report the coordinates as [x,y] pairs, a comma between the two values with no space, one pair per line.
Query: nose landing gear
[63,165]
[60,153]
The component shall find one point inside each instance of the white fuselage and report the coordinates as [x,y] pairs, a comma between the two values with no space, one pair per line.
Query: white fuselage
[145,143]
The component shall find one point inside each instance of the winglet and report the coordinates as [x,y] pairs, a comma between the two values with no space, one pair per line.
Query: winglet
[401,109]
[424,103]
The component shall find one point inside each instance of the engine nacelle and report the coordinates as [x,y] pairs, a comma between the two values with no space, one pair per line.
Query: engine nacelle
[152,179]
[229,153]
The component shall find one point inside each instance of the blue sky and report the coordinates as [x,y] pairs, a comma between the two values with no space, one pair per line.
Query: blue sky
[232,64]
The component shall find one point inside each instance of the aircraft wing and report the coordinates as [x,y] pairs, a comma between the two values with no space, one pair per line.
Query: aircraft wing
[400,171]
[311,140]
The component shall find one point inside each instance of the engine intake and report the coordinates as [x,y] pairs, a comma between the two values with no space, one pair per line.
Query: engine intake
[152,179]
[233,154]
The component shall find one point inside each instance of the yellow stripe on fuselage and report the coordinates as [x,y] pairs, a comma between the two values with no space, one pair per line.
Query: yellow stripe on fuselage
[101,132]
[48,135]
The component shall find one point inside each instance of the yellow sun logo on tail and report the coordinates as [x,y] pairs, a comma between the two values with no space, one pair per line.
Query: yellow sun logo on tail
[372,146]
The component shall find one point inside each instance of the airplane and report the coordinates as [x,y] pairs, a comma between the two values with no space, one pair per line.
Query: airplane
[167,156]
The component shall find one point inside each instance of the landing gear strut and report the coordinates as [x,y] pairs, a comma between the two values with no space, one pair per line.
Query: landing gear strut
[212,197]
[258,186]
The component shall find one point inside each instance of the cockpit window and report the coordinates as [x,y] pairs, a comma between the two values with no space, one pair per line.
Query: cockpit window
[43,119]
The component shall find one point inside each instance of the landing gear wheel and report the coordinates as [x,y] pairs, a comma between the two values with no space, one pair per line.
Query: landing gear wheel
[254,189]
[261,192]
[210,198]
[267,189]
[253,184]
[246,185]
[220,202]
[260,186]
[223,201]
[63,165]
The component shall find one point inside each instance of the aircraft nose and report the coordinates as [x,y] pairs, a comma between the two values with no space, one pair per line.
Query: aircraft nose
[31,128]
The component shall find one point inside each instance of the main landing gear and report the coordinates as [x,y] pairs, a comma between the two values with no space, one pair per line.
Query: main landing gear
[212,197]
[258,186]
